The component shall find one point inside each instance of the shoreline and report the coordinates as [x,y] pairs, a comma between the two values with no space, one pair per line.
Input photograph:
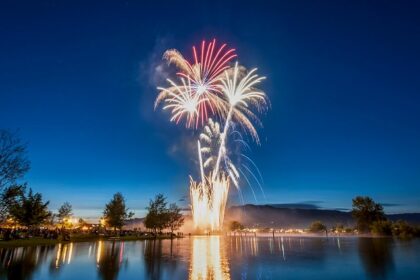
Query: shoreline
[36,241]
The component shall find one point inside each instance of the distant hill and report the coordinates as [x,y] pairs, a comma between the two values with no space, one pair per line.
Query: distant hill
[286,217]
[412,218]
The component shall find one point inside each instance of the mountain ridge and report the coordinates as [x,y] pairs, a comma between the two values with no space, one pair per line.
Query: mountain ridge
[275,215]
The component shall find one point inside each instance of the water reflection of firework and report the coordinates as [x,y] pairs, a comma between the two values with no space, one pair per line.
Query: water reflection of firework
[210,86]
[208,259]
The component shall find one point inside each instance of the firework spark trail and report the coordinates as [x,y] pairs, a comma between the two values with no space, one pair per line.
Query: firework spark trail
[255,178]
[211,138]
[260,180]
[201,162]
[249,184]
[255,166]
[229,94]
[240,96]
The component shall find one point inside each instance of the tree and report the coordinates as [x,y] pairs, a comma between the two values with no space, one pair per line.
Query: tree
[50,222]
[13,161]
[175,218]
[157,216]
[402,229]
[8,198]
[64,213]
[13,165]
[366,211]
[116,212]
[235,226]
[30,210]
[317,226]
[382,228]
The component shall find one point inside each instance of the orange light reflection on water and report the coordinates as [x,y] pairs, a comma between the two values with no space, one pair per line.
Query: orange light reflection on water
[208,259]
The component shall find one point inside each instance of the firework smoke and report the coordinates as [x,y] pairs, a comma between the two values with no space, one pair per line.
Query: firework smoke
[211,87]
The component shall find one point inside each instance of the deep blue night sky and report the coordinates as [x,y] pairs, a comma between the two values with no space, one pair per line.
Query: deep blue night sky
[78,82]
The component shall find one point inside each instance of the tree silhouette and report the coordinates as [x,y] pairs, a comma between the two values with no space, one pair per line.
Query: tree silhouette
[366,211]
[235,226]
[8,198]
[64,213]
[30,210]
[157,216]
[317,226]
[13,165]
[116,212]
[13,161]
[175,218]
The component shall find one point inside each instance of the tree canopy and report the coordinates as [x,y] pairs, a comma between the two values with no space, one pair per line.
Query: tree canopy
[157,217]
[13,160]
[235,226]
[9,197]
[116,212]
[64,213]
[29,210]
[13,166]
[317,226]
[175,217]
[366,211]
[160,217]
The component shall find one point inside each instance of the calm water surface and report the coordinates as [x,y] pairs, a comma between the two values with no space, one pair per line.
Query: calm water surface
[214,257]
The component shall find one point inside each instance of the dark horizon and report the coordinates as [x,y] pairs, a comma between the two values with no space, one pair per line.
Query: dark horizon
[78,81]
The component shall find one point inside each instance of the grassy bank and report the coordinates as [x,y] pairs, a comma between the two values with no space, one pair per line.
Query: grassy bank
[35,241]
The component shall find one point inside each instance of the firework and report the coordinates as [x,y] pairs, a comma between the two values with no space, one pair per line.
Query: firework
[241,95]
[182,101]
[209,142]
[210,87]
[204,76]
[208,202]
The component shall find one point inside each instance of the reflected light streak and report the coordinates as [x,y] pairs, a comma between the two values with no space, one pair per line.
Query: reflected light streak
[99,251]
[338,244]
[208,259]
[57,258]
[282,248]
[121,252]
[64,253]
[255,246]
[70,253]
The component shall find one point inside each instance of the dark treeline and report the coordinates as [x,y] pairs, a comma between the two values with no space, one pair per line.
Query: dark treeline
[160,216]
[370,219]
[24,213]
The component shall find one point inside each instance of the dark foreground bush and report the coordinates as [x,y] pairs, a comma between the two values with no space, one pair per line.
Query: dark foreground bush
[399,229]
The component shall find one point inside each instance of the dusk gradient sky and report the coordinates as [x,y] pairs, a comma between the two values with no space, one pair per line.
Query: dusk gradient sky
[78,80]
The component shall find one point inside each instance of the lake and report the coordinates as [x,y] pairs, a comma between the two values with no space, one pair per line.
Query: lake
[217,257]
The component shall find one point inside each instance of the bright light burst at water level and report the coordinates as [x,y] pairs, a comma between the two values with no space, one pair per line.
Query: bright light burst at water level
[211,86]
[208,201]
